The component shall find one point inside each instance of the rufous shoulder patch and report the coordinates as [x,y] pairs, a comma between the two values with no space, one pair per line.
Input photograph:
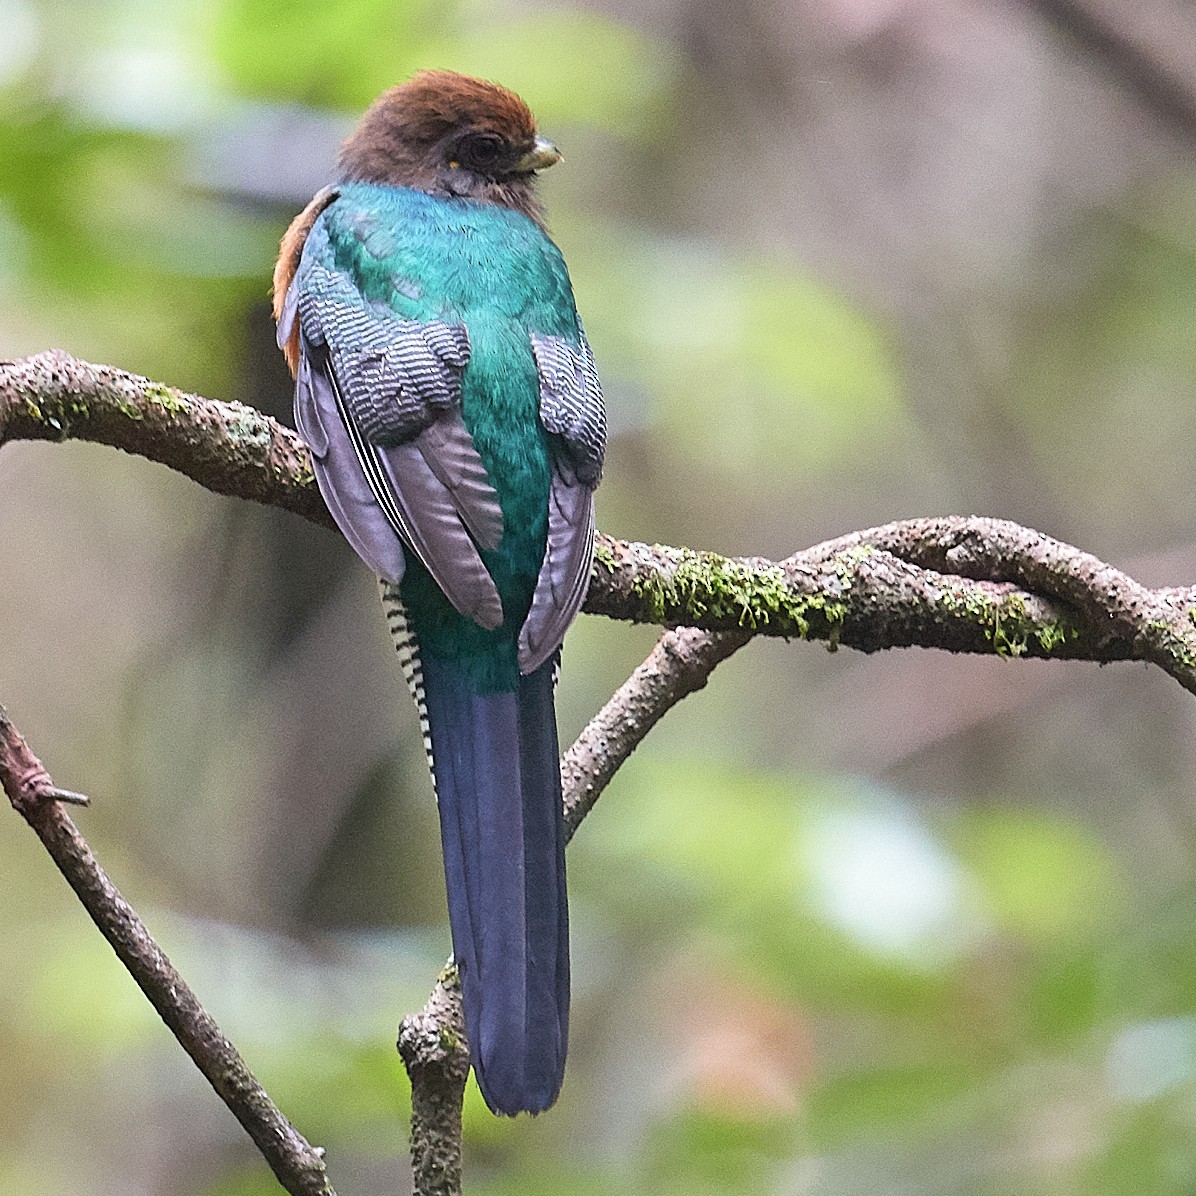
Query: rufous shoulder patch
[289,253]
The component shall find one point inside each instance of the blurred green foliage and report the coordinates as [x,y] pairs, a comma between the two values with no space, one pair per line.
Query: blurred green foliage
[1121,354]
[785,983]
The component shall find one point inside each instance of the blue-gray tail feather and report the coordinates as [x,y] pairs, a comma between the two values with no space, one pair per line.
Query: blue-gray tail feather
[495,757]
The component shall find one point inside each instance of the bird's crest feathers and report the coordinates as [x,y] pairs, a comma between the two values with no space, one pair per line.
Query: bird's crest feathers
[431,103]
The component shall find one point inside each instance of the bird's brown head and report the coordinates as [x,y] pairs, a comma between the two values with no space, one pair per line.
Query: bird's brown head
[450,134]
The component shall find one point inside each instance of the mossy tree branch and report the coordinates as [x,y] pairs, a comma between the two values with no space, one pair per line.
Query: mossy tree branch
[964,585]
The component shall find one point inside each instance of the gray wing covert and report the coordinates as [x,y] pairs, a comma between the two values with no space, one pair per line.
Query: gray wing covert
[571,405]
[377,399]
[396,376]
[571,409]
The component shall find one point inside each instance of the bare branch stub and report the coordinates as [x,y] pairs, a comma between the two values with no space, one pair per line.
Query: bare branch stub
[298,1166]
[433,1048]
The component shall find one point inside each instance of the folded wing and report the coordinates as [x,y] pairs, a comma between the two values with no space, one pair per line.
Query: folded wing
[572,412]
[378,400]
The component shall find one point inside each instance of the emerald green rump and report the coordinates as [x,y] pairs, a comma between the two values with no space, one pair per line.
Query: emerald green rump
[499,400]
[495,271]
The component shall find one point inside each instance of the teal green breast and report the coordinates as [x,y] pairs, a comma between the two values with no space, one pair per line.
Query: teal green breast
[499,274]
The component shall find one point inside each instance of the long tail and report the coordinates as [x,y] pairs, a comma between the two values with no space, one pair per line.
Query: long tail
[498,783]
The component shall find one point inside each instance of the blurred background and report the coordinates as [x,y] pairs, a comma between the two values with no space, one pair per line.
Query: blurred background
[845,925]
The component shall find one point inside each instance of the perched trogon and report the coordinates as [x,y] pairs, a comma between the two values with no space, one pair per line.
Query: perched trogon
[449,398]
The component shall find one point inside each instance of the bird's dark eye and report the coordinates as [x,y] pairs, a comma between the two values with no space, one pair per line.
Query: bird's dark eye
[480,151]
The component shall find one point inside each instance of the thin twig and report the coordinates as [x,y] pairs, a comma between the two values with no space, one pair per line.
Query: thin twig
[1150,46]
[298,1165]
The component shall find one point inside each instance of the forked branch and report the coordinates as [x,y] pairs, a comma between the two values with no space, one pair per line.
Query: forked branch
[298,1165]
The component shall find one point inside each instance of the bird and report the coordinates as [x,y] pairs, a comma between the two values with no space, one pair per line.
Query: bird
[448,394]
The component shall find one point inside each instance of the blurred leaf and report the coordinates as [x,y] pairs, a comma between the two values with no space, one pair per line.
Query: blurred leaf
[251,1181]
[680,829]
[1043,877]
[1150,1151]
[750,364]
[323,55]
[725,850]
[482,1128]
[1063,999]
[95,1002]
[696,1152]
[110,244]
[884,1101]
[1148,968]
[52,185]
[1108,374]
[572,67]
[20,1178]
[533,1179]
[147,225]
[338,1089]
